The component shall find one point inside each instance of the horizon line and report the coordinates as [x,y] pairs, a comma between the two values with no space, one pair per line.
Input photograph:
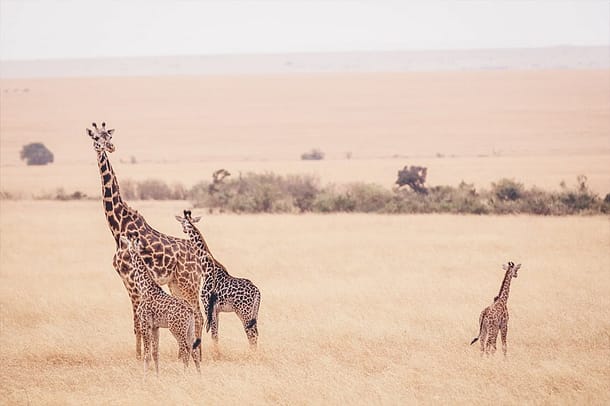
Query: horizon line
[266,53]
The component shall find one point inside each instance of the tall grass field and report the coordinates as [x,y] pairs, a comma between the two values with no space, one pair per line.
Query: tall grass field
[355,309]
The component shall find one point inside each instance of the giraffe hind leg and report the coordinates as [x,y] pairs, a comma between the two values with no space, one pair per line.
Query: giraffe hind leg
[492,339]
[251,330]
[483,339]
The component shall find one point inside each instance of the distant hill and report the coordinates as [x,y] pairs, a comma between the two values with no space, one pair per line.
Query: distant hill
[561,57]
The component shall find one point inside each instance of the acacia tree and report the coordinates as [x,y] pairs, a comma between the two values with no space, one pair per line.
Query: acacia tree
[36,153]
[414,177]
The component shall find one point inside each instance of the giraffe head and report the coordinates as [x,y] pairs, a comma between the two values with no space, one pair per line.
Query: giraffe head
[132,242]
[187,221]
[102,138]
[512,268]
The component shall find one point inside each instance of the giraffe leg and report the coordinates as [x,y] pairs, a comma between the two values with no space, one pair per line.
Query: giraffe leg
[483,338]
[184,346]
[123,268]
[189,291]
[491,341]
[155,348]
[503,333]
[214,326]
[146,336]
[251,330]
[196,358]
[137,332]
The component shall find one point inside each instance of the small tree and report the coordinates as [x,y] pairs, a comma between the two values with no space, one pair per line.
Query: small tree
[36,153]
[414,177]
[313,155]
[508,189]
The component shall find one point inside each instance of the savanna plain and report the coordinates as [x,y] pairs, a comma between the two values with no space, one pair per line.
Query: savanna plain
[356,308]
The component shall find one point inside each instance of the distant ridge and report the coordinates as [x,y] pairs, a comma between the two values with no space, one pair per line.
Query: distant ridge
[561,57]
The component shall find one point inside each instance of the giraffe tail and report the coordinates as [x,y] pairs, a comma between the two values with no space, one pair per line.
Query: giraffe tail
[210,310]
[196,343]
[474,340]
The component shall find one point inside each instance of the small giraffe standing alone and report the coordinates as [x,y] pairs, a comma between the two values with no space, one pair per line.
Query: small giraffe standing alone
[495,316]
[157,309]
[222,292]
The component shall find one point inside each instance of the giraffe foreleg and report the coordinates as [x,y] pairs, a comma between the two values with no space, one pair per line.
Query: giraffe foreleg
[503,333]
[124,271]
[147,336]
[137,332]
[155,347]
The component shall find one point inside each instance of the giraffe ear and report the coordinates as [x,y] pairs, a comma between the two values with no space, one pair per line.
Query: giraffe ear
[110,132]
[517,267]
[90,133]
[180,219]
[123,241]
[195,219]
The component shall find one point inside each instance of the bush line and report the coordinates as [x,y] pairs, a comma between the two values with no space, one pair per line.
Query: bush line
[271,193]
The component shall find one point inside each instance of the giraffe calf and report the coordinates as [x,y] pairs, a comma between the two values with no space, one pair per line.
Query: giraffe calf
[222,292]
[157,309]
[494,318]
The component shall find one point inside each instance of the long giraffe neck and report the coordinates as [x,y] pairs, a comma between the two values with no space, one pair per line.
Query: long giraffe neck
[142,277]
[201,248]
[505,287]
[114,207]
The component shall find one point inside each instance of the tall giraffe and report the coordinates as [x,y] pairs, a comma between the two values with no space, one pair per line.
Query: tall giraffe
[222,292]
[495,316]
[170,260]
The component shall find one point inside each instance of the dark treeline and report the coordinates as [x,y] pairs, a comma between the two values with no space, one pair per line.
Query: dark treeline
[271,193]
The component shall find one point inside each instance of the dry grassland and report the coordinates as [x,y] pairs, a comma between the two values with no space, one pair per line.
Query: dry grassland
[355,309]
[540,127]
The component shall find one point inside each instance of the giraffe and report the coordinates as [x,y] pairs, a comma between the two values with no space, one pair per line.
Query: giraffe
[170,259]
[157,309]
[495,316]
[222,292]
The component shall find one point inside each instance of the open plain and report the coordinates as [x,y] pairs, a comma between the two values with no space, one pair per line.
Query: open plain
[539,127]
[355,308]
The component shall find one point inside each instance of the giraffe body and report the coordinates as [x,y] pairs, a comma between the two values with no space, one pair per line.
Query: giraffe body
[494,318]
[156,309]
[222,292]
[231,295]
[170,260]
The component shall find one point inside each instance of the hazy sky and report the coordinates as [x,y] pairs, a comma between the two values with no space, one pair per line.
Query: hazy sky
[33,29]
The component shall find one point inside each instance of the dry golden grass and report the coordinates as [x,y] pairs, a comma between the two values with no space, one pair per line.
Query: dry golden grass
[355,309]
